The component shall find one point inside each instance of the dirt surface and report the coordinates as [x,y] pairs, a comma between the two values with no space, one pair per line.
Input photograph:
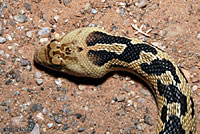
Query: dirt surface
[50,102]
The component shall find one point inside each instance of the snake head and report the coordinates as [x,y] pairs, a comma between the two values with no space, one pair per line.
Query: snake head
[59,55]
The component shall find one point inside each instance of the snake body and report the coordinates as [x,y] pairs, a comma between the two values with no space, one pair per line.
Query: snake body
[92,52]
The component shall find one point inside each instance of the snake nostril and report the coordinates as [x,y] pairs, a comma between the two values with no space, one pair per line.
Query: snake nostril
[68,50]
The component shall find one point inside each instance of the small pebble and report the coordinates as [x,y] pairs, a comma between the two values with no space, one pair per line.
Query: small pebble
[94,11]
[194,88]
[139,127]
[50,125]
[56,18]
[2,40]
[40,116]
[44,40]
[8,37]
[198,55]
[38,75]
[44,31]
[58,82]
[82,87]
[81,129]
[1,52]
[122,12]
[147,120]
[34,108]
[22,12]
[24,62]
[58,118]
[120,98]
[36,129]
[78,116]
[17,121]
[88,7]
[39,81]
[20,18]
[141,3]
[1,28]
[8,81]
[7,56]
[66,2]
[65,127]
[145,92]
[198,36]
[29,34]
[27,6]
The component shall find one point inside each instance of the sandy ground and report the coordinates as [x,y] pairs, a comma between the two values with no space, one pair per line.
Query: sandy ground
[50,102]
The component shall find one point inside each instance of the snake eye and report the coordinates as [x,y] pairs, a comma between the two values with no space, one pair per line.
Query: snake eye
[80,49]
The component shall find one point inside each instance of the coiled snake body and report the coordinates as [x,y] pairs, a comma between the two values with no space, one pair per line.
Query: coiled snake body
[92,52]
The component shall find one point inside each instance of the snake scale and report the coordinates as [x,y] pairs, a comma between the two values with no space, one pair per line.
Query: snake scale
[92,52]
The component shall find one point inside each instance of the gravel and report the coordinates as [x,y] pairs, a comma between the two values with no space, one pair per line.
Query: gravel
[58,118]
[27,6]
[81,129]
[66,2]
[2,40]
[38,75]
[1,28]
[141,3]
[44,31]
[24,62]
[20,18]
[39,82]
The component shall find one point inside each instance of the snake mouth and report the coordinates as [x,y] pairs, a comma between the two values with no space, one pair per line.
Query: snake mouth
[41,57]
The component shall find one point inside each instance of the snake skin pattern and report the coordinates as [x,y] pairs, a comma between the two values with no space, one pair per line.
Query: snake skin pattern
[92,52]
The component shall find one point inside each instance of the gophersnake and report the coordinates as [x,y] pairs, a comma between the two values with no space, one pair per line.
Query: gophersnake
[92,52]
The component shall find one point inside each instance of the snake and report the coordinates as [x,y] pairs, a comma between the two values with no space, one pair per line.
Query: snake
[93,52]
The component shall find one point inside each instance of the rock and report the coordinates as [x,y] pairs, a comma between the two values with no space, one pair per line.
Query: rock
[44,40]
[198,55]
[141,3]
[82,87]
[2,40]
[1,52]
[8,37]
[20,18]
[38,75]
[88,8]
[147,120]
[24,62]
[81,129]
[1,28]
[22,12]
[40,116]
[27,6]
[17,121]
[58,118]
[34,108]
[94,11]
[58,82]
[198,36]
[145,92]
[29,34]
[120,98]
[66,2]
[78,116]
[56,18]
[65,127]
[122,12]
[194,88]
[50,125]
[39,81]
[36,129]
[44,31]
